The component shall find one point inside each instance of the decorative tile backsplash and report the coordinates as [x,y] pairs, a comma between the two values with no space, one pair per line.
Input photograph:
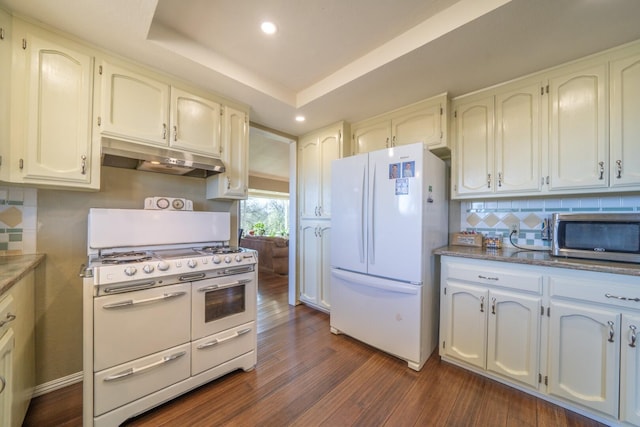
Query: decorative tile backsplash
[494,217]
[18,220]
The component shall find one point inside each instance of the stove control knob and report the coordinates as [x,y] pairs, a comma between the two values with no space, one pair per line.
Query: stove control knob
[216,259]
[238,258]
[227,259]
[130,271]
[192,263]
[163,266]
[148,268]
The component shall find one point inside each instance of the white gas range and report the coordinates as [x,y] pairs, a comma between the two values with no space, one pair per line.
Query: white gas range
[168,306]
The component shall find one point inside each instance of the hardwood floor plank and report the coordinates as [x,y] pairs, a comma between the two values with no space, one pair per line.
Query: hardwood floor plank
[307,376]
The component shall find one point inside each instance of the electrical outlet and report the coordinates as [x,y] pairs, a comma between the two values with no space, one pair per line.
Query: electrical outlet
[514,229]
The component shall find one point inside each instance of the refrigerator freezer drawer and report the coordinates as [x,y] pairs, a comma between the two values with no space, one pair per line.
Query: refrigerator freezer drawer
[382,313]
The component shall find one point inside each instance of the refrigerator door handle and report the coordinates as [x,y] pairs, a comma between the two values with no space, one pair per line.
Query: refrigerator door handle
[376,282]
[363,210]
[372,237]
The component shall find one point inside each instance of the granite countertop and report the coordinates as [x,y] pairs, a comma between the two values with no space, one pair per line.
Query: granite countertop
[15,267]
[540,258]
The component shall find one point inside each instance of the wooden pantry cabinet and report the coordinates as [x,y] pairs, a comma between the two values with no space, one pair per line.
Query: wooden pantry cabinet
[51,106]
[569,336]
[425,121]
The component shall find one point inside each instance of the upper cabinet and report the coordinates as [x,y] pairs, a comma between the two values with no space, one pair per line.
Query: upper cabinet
[5,92]
[491,131]
[51,111]
[573,130]
[624,161]
[422,122]
[142,109]
[234,182]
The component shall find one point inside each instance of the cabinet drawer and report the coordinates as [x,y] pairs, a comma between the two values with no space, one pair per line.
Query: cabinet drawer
[213,350]
[500,277]
[605,289]
[125,383]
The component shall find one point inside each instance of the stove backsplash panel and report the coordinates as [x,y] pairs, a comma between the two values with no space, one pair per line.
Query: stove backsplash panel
[18,220]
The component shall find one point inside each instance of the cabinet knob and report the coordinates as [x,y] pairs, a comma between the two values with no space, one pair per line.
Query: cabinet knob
[175,133]
[10,318]
[499,179]
[611,331]
[633,328]
[601,164]
[488,180]
[619,168]
[481,304]
[83,165]
[164,131]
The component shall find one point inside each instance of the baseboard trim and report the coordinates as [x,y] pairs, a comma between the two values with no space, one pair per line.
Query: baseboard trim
[57,384]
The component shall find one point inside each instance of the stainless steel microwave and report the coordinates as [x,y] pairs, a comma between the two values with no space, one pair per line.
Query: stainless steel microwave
[612,237]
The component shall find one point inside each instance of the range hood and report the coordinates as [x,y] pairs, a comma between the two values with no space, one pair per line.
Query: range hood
[128,155]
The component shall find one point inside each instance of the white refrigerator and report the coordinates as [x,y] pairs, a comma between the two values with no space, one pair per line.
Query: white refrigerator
[389,213]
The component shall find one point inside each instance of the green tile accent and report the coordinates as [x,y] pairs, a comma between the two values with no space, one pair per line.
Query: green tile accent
[558,210]
[14,230]
[4,246]
[15,237]
[15,202]
[585,209]
[627,209]
[531,210]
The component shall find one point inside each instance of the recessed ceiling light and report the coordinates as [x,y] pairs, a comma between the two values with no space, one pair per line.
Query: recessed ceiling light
[299,118]
[269,27]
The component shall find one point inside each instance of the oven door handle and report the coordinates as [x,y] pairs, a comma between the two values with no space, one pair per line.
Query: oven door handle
[130,302]
[133,371]
[225,285]
[220,341]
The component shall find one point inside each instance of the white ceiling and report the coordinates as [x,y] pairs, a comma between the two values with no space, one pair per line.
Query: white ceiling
[342,60]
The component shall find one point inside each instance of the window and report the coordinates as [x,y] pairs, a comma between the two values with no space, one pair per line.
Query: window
[268,208]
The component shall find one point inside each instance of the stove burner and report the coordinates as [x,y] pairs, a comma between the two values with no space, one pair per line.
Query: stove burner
[124,257]
[220,250]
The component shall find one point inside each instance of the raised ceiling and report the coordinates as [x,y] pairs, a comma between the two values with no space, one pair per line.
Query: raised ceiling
[342,60]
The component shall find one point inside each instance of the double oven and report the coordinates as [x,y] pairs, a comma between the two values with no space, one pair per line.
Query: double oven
[168,306]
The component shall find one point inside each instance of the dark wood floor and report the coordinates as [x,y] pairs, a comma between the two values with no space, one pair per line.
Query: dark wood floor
[307,376]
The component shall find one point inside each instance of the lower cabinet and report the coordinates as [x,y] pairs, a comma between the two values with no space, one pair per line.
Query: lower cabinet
[568,336]
[315,264]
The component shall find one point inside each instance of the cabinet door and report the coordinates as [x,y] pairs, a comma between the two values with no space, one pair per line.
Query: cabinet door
[7,343]
[514,336]
[195,123]
[134,107]
[422,125]
[5,92]
[578,130]
[309,266]
[236,153]
[309,176]
[465,323]
[58,140]
[330,146]
[630,370]
[372,136]
[474,147]
[324,293]
[584,355]
[518,142]
[625,126]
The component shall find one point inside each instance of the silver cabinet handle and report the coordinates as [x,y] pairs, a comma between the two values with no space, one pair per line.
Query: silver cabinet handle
[480,276]
[619,169]
[225,285]
[175,132]
[611,331]
[386,144]
[228,183]
[393,141]
[132,371]
[601,164]
[633,333]
[481,304]
[164,131]
[83,164]
[220,341]
[130,302]
[635,299]
[493,306]
[488,180]
[10,318]
[3,383]
[499,179]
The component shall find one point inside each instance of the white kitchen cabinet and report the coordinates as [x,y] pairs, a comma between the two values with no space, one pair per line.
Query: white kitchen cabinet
[314,266]
[498,142]
[421,122]
[51,109]
[624,160]
[5,92]
[578,139]
[316,151]
[7,345]
[630,369]
[584,349]
[234,182]
[490,319]
[195,123]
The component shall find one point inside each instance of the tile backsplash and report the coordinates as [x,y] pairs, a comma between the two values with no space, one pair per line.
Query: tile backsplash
[494,217]
[18,220]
